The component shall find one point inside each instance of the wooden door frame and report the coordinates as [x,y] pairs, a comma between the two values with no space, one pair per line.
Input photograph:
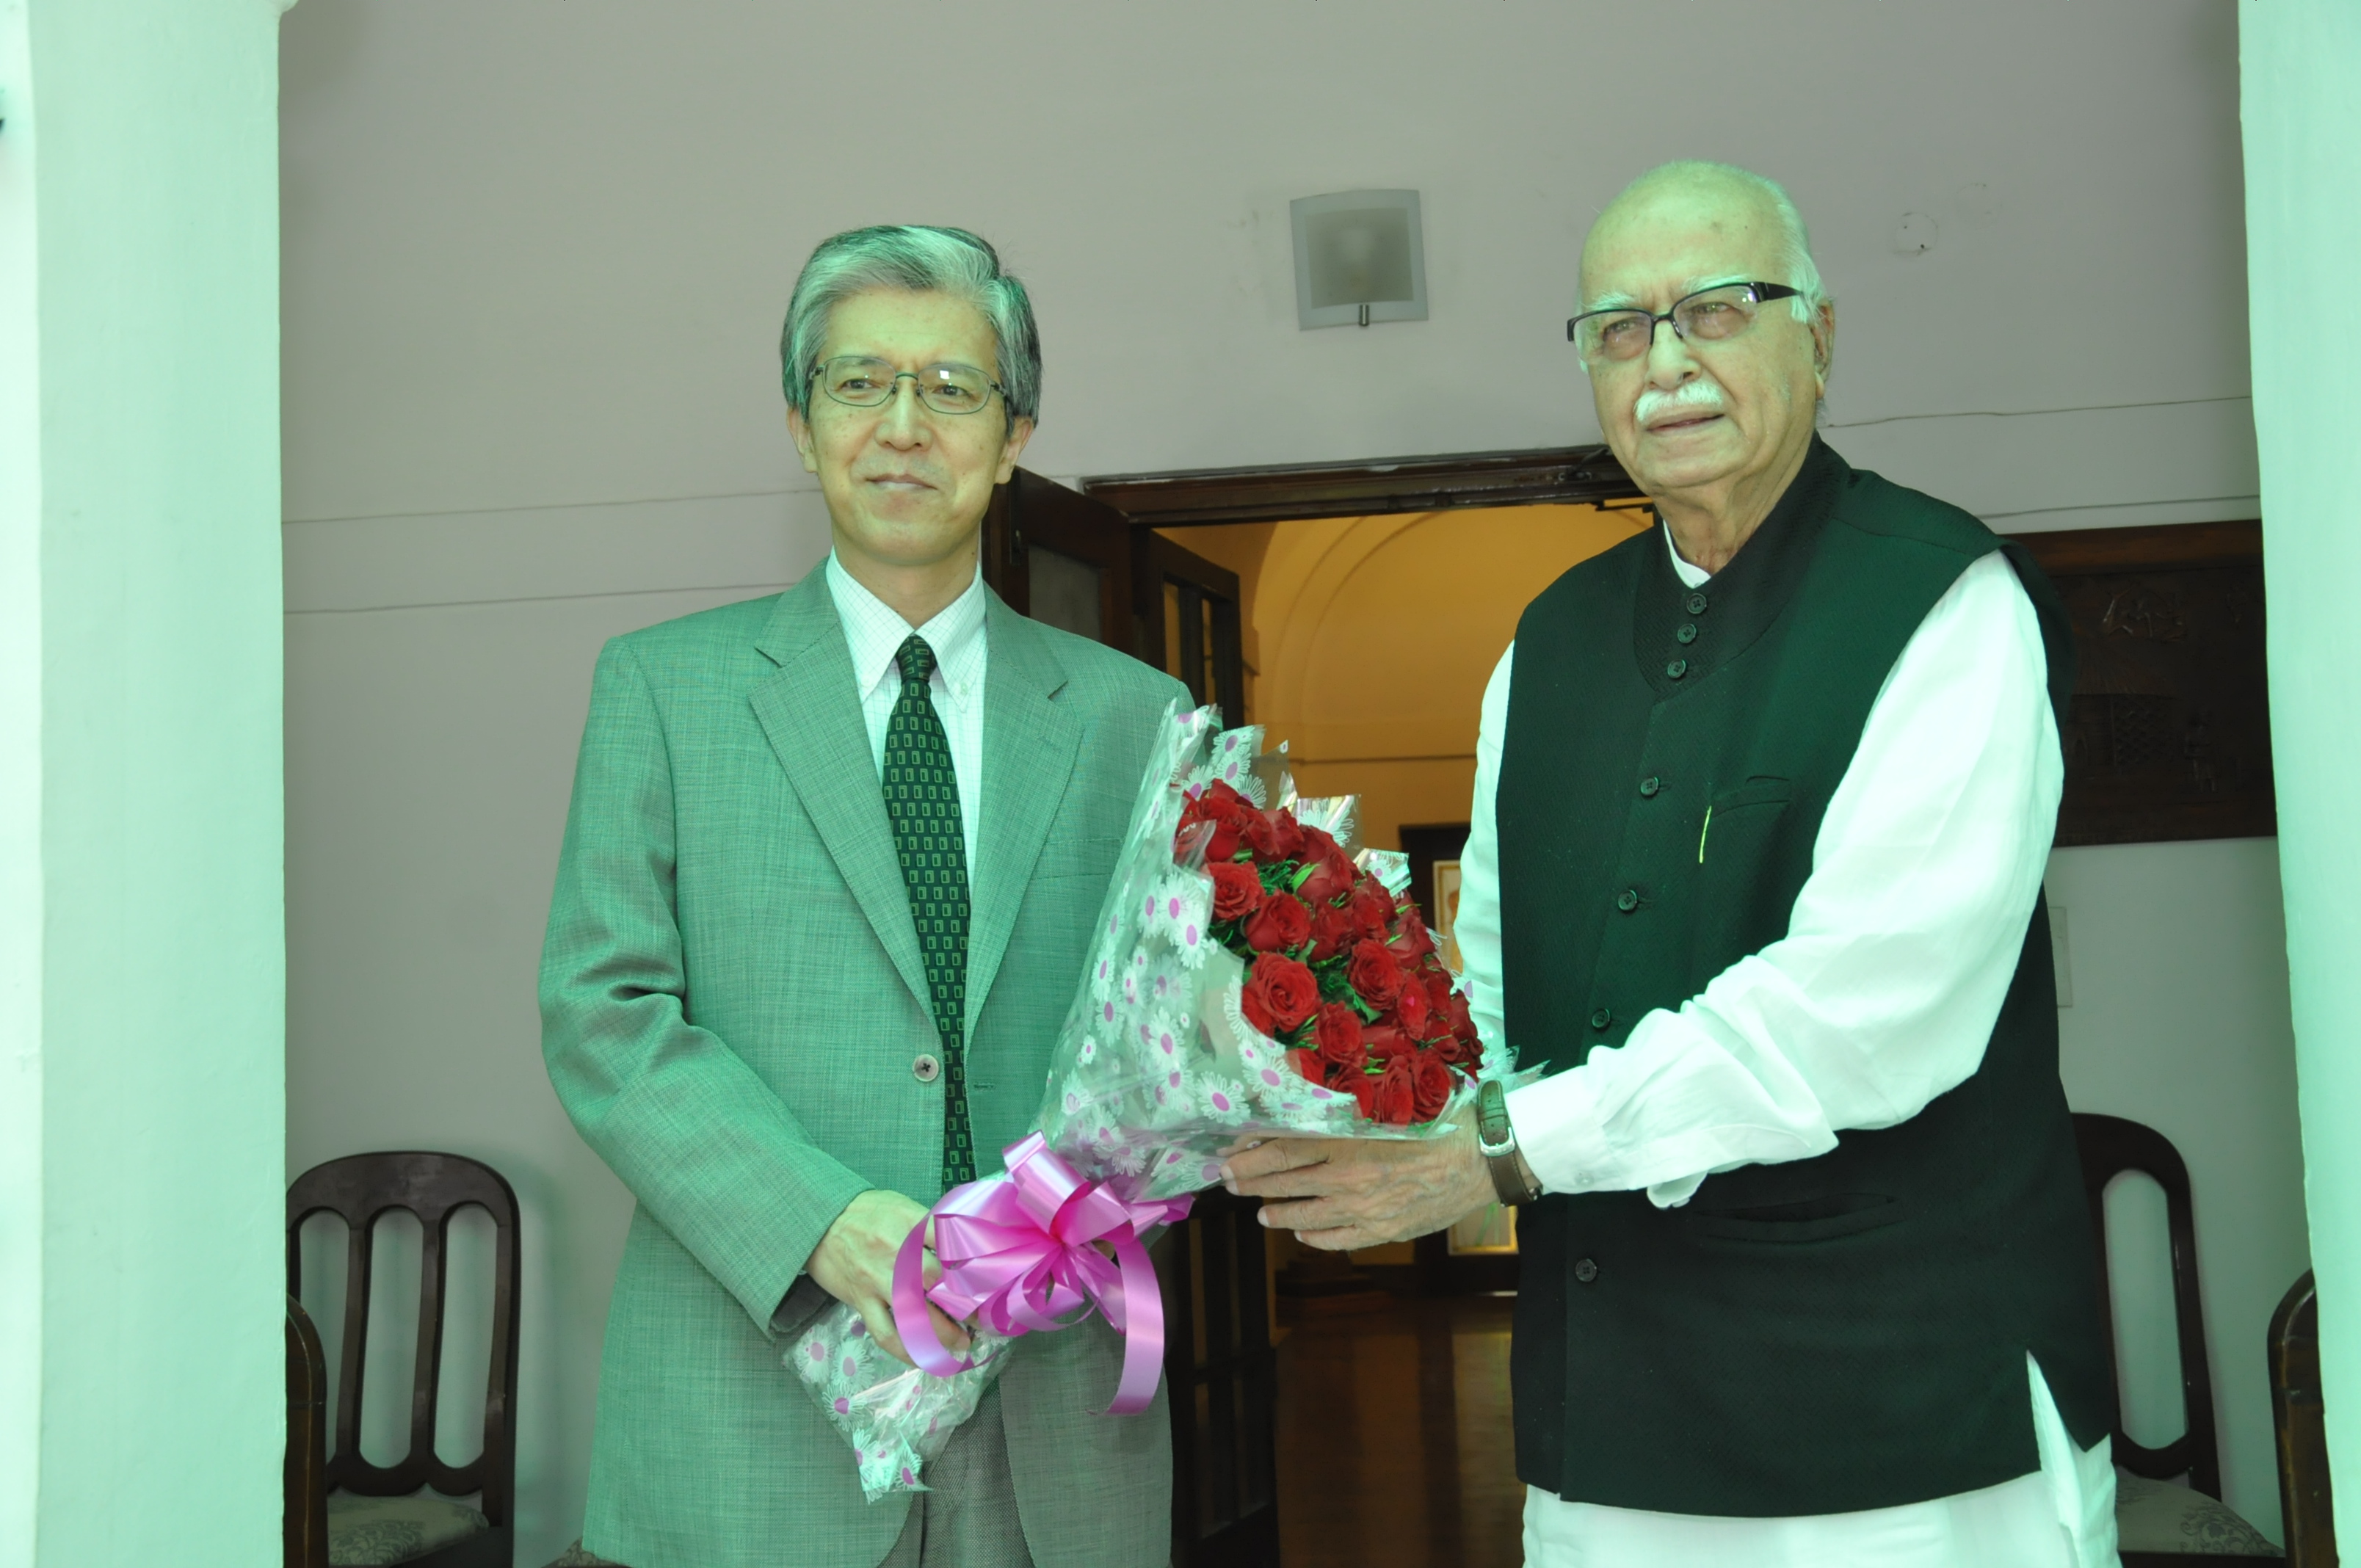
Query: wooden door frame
[1288,492]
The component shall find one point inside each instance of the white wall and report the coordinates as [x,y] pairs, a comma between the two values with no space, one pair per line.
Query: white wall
[2177,960]
[536,254]
[2303,148]
[142,1373]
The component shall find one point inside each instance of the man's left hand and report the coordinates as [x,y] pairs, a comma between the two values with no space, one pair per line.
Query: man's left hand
[1340,1193]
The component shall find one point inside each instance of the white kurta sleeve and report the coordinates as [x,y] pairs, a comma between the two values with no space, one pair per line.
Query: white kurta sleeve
[1901,946]
[1476,926]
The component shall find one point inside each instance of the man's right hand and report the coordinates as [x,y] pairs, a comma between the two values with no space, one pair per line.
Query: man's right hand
[854,1263]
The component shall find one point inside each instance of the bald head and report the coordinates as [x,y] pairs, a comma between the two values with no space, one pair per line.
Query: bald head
[1748,212]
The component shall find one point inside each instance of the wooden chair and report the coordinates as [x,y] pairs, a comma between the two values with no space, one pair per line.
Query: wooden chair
[2163,1520]
[305,1521]
[384,1514]
[1221,1372]
[2302,1431]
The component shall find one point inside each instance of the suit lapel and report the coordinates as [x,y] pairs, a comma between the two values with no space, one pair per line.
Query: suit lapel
[811,712]
[1030,742]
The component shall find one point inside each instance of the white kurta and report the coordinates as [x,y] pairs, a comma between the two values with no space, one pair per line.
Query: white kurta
[1881,997]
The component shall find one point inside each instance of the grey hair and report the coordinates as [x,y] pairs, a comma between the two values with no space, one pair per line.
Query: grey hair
[918,259]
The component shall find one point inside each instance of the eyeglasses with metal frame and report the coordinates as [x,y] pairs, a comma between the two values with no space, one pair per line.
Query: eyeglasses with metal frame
[859,382]
[1622,332]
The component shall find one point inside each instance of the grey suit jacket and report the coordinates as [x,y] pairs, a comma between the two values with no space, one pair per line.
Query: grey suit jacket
[731,1000]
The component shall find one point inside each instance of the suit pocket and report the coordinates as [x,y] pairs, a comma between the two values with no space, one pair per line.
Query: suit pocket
[1745,870]
[1818,1219]
[1076,858]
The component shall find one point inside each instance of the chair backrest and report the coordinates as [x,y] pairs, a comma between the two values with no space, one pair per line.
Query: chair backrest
[360,1189]
[305,1521]
[2111,1146]
[2304,1503]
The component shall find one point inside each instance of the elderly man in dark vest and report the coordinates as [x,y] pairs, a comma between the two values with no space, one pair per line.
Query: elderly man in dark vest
[1763,799]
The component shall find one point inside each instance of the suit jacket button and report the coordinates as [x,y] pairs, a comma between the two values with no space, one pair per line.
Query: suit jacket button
[1604,1016]
[926,1070]
[1585,1271]
[1628,899]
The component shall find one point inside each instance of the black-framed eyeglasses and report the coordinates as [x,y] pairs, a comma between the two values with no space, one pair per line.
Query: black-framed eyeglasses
[859,382]
[1708,316]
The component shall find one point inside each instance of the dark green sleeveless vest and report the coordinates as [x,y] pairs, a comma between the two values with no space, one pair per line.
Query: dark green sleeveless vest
[1842,1333]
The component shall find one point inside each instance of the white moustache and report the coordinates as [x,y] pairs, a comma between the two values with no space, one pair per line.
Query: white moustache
[1699,396]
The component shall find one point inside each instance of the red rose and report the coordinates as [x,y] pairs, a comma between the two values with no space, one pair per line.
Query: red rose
[1372,907]
[1281,922]
[1374,973]
[1331,879]
[1331,930]
[1394,1100]
[1450,1007]
[1338,1031]
[1410,1010]
[1411,942]
[1383,1041]
[1275,835]
[1278,995]
[1237,892]
[1228,812]
[1307,1065]
[1431,1086]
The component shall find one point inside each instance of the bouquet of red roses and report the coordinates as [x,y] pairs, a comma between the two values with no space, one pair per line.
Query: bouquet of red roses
[1344,973]
[1252,976]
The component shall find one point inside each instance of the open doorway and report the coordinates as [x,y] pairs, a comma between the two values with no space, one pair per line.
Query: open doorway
[1355,611]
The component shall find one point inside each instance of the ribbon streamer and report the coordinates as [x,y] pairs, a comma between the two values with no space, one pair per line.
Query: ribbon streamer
[1016,1254]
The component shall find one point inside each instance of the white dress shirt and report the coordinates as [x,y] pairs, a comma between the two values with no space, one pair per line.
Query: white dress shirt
[1881,997]
[874,632]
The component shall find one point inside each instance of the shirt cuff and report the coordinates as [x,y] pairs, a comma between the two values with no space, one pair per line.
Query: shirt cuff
[1564,1139]
[1560,1132]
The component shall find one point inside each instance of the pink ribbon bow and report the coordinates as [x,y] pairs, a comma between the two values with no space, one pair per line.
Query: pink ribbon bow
[1016,1252]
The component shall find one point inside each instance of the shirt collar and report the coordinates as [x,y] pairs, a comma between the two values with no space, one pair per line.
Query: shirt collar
[874,632]
[1690,576]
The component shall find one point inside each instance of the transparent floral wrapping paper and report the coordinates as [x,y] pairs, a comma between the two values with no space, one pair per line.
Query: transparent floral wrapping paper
[1154,1073]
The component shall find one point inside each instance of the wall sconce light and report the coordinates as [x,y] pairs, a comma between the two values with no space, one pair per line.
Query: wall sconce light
[1359,257]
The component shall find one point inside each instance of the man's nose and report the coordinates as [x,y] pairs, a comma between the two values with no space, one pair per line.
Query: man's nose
[1669,363]
[902,423]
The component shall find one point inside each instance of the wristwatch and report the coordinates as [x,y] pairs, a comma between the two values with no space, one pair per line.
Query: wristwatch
[1496,1140]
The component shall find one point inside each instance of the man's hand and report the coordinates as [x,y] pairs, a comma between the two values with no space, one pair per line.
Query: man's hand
[854,1263]
[1340,1193]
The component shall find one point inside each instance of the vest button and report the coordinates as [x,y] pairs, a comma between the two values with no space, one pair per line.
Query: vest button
[1695,604]
[1600,1019]
[926,1070]
[1628,899]
[1649,786]
[1687,633]
[1584,1270]
[1677,668]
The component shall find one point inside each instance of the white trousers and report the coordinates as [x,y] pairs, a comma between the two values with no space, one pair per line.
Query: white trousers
[2062,1516]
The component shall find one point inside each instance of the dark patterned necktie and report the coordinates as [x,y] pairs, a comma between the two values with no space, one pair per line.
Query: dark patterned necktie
[922,798]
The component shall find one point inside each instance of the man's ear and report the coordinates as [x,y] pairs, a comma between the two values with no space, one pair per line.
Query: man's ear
[1019,433]
[800,433]
[1824,340]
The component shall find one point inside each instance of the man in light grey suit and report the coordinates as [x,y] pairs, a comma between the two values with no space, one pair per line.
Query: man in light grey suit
[829,876]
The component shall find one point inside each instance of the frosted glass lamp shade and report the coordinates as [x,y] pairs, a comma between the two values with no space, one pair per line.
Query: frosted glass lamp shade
[1359,257]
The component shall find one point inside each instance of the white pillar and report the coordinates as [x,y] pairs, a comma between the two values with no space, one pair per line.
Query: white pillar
[2299,97]
[141,968]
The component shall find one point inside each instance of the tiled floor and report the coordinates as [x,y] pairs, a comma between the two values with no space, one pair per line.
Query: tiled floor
[1394,1444]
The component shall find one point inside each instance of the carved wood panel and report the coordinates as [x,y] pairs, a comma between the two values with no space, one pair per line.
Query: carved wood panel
[2167,735]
